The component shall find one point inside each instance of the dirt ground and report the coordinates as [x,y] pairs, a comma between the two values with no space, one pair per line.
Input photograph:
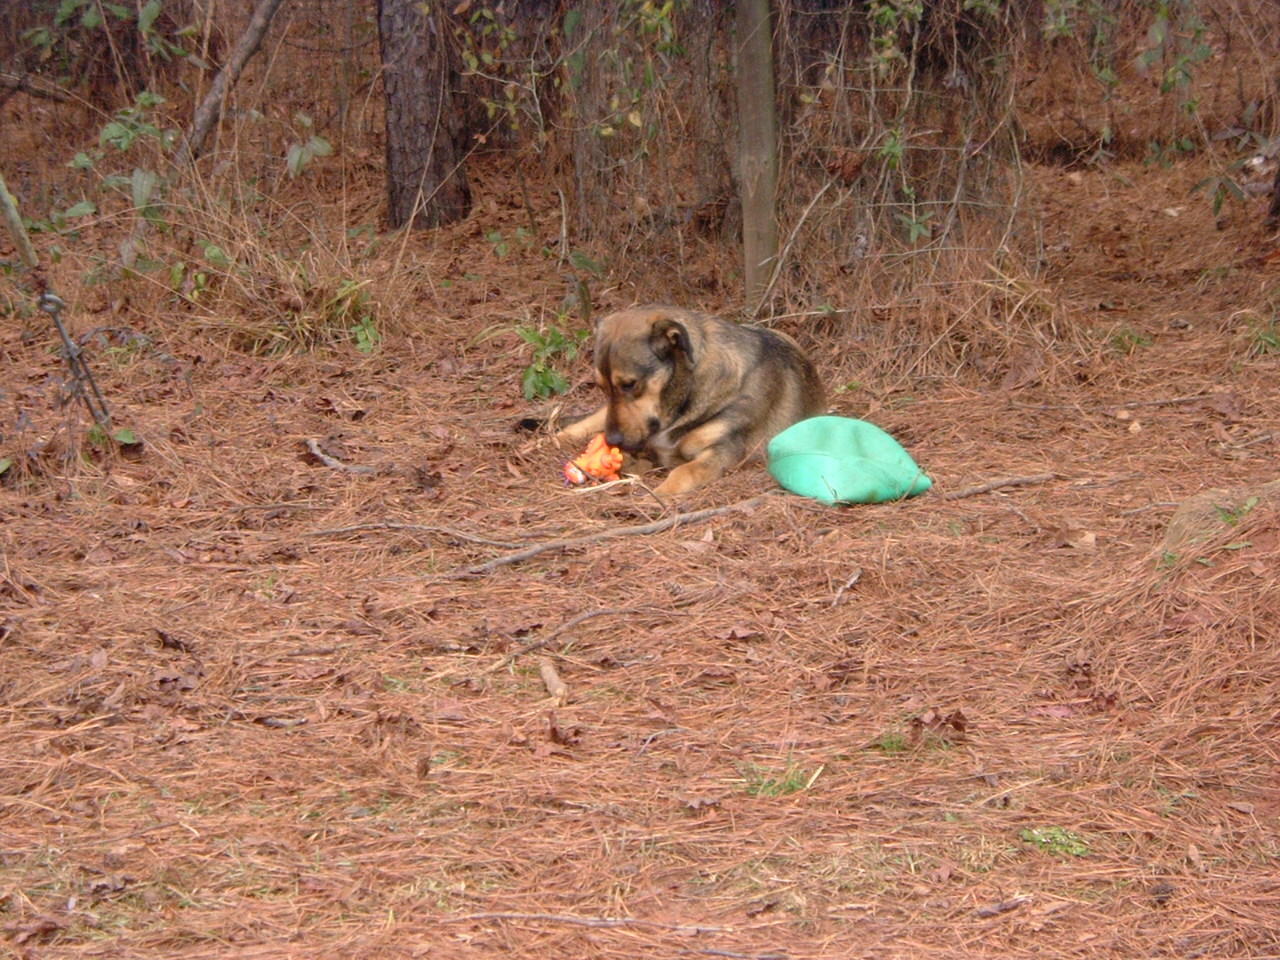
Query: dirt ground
[254,705]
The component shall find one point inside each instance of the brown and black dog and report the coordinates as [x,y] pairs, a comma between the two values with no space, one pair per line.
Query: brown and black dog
[693,392]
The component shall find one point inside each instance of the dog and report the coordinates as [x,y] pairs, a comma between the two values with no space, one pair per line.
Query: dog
[694,393]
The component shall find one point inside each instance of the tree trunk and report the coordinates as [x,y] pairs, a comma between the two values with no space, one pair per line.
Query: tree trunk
[427,130]
[757,145]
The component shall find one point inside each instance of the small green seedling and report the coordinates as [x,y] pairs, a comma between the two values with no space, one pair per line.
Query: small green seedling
[761,782]
[540,378]
[1056,840]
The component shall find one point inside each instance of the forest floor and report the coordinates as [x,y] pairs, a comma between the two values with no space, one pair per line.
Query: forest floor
[256,705]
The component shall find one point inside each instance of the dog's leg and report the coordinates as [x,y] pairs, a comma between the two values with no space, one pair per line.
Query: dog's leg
[584,429]
[710,464]
[696,473]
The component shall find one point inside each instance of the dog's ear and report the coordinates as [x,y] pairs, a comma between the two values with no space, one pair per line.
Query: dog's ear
[668,338]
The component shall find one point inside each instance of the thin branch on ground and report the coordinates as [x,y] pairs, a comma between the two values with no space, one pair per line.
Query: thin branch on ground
[585,921]
[33,85]
[658,526]
[413,528]
[1130,405]
[333,463]
[853,578]
[998,484]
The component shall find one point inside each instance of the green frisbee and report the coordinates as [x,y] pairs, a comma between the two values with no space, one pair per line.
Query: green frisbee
[840,460]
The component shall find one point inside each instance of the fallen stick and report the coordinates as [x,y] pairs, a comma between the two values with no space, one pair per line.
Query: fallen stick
[585,921]
[853,578]
[997,484]
[334,464]
[710,952]
[412,528]
[1131,405]
[658,526]
[34,86]
[557,688]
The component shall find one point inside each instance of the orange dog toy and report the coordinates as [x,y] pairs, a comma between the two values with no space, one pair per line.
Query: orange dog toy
[600,462]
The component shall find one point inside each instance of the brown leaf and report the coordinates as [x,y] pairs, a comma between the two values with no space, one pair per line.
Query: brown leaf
[1072,536]
[108,884]
[1229,405]
[563,730]
[716,675]
[429,482]
[739,633]
[171,681]
[39,927]
[699,801]
[1194,858]
[170,642]
[764,905]
[452,713]
[1242,807]
[1103,701]
[949,726]
[1024,370]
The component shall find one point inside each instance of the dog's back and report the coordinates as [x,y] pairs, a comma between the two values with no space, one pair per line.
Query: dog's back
[763,373]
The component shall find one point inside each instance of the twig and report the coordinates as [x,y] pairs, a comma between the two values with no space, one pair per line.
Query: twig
[413,528]
[210,107]
[854,577]
[786,249]
[1263,438]
[585,921]
[658,526]
[1004,906]
[1131,405]
[709,952]
[314,449]
[33,85]
[1150,506]
[564,627]
[997,484]
[93,841]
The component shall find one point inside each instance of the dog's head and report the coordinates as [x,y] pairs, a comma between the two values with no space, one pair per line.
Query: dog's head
[644,364]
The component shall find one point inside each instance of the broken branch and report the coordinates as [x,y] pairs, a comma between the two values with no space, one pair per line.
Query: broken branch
[997,484]
[313,448]
[658,526]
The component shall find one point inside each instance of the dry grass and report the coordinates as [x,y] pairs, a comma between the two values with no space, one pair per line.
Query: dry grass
[249,709]
[252,705]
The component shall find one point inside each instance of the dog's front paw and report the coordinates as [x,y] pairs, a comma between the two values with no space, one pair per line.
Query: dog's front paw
[682,479]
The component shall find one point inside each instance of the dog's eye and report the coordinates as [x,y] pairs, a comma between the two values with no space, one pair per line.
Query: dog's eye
[628,386]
